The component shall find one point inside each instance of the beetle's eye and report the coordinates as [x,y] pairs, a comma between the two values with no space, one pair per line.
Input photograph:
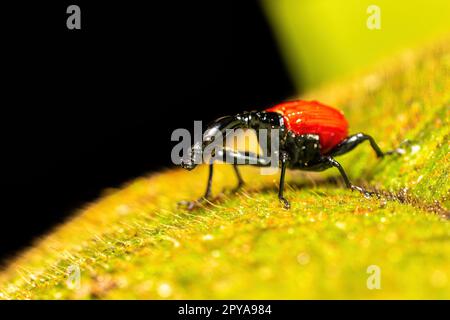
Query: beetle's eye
[209,134]
[208,137]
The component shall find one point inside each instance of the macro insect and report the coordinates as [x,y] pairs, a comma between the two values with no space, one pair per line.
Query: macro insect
[311,135]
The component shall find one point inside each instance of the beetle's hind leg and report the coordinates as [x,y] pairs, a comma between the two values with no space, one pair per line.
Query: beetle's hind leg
[349,185]
[351,142]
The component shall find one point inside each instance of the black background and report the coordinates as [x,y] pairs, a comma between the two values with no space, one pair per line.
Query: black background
[281,309]
[83,110]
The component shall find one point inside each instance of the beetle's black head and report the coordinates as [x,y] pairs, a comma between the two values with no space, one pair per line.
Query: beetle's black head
[214,129]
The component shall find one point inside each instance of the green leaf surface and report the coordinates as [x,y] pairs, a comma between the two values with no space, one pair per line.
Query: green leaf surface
[135,243]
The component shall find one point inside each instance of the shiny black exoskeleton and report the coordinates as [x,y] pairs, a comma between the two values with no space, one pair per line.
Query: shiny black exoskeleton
[296,151]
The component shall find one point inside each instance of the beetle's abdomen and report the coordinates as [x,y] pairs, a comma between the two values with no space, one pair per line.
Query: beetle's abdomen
[312,117]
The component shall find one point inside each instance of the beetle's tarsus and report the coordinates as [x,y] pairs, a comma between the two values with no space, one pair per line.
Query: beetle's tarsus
[397,151]
[191,205]
[238,188]
[285,203]
[364,192]
[401,149]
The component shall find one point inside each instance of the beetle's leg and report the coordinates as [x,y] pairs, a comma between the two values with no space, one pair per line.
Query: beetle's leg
[242,158]
[192,204]
[337,165]
[283,160]
[209,183]
[239,177]
[253,159]
[236,158]
[351,142]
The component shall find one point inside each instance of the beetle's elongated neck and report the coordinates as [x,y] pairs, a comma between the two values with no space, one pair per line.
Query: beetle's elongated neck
[247,120]
[244,120]
[218,126]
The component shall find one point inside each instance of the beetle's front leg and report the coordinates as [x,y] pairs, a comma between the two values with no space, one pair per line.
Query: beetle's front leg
[193,204]
[233,157]
[241,158]
[241,181]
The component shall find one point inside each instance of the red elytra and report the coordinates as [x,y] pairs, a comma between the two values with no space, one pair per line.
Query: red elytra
[313,117]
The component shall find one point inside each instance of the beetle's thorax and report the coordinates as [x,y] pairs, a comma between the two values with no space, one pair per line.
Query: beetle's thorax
[260,120]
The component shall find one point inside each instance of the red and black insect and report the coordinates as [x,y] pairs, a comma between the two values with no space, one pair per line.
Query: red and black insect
[311,136]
